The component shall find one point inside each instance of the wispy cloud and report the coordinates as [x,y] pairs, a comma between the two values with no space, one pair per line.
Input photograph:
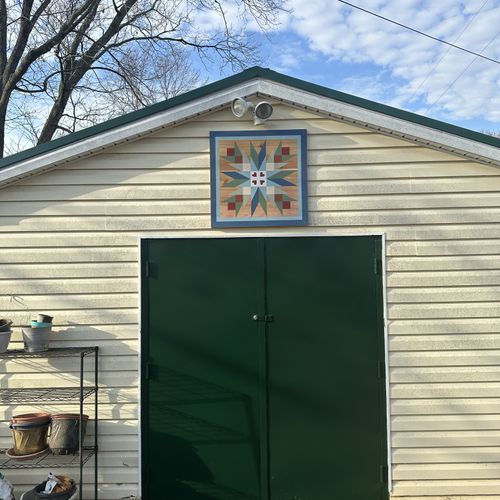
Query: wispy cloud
[414,72]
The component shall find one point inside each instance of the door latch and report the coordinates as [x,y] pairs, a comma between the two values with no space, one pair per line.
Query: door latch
[267,318]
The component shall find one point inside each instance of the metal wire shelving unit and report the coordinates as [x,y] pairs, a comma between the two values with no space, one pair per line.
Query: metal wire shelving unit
[80,393]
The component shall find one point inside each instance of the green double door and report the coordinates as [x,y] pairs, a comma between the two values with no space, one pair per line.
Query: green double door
[262,369]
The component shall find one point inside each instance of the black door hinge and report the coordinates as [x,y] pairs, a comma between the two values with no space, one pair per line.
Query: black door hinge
[381,369]
[150,270]
[151,371]
[384,474]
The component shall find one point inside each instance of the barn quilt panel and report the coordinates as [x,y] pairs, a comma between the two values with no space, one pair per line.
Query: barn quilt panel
[258,178]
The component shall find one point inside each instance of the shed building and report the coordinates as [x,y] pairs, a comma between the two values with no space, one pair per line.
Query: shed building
[357,356]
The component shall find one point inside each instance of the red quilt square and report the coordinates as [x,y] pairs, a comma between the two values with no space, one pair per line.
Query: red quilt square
[231,206]
[230,151]
[277,159]
[286,204]
[278,197]
[285,150]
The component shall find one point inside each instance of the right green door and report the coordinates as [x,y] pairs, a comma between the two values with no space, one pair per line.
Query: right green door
[325,389]
[296,325]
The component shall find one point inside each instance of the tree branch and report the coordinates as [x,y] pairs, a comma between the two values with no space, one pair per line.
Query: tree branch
[3,39]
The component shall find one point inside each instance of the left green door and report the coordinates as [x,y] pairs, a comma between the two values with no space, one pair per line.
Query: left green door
[203,383]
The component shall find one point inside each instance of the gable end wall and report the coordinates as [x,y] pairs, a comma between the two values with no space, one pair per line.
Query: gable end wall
[69,245]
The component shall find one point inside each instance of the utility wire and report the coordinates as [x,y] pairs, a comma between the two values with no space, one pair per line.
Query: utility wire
[420,32]
[424,81]
[463,72]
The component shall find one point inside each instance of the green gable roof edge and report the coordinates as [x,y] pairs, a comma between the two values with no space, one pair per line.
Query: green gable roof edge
[225,83]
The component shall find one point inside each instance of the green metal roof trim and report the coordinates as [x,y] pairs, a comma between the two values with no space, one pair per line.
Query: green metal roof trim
[248,74]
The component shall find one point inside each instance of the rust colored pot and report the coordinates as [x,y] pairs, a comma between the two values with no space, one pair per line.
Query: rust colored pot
[31,418]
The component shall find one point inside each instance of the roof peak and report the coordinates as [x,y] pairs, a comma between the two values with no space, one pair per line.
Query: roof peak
[238,78]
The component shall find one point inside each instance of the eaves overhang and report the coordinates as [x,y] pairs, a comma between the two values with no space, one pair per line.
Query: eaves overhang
[218,95]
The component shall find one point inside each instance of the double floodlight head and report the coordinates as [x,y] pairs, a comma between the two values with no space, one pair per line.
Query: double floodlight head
[261,112]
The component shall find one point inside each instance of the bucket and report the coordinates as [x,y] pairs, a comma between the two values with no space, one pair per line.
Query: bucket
[65,432]
[4,340]
[29,438]
[36,339]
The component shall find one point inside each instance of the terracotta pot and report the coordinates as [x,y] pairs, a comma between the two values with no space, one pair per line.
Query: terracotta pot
[31,418]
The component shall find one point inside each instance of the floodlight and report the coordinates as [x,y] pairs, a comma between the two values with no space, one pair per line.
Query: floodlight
[240,106]
[262,112]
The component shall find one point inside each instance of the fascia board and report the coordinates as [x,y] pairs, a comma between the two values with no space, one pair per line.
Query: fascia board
[384,123]
[125,133]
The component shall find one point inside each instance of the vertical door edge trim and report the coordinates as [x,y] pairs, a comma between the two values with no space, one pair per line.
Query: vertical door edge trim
[142,242]
[383,255]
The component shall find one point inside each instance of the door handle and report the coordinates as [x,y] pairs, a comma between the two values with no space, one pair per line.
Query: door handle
[267,318]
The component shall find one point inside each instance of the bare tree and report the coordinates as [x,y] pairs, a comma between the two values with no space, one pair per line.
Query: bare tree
[65,64]
[493,133]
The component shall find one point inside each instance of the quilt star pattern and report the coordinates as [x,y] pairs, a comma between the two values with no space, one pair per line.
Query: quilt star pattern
[258,178]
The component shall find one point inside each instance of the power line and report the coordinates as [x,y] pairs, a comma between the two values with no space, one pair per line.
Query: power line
[463,72]
[420,32]
[445,54]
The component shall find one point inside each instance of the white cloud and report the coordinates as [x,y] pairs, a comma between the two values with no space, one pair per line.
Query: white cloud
[348,35]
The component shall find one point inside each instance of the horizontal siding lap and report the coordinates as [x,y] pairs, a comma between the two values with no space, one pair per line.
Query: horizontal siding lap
[445,406]
[447,487]
[444,294]
[445,422]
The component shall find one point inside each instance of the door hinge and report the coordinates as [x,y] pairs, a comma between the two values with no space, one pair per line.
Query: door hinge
[151,371]
[150,269]
[384,474]
[381,369]
[377,266]
[267,318]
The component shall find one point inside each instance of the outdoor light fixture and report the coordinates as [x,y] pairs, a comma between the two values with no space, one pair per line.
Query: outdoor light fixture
[261,112]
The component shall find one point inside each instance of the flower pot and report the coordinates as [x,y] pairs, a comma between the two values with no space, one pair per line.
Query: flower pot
[29,438]
[5,325]
[4,340]
[36,339]
[44,318]
[38,324]
[31,418]
[65,432]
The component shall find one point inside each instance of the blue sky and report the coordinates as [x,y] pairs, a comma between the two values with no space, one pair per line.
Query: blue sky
[329,43]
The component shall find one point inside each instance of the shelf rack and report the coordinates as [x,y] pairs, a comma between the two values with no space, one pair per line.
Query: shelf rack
[62,394]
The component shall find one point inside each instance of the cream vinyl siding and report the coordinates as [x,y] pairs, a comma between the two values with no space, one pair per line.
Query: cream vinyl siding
[69,246]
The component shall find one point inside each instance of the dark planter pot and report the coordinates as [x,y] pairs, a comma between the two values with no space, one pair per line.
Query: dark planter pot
[5,325]
[65,432]
[45,318]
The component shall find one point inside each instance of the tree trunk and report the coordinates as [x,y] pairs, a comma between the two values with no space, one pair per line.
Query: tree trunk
[52,122]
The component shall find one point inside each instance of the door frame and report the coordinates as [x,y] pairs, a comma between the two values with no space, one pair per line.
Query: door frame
[261,234]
